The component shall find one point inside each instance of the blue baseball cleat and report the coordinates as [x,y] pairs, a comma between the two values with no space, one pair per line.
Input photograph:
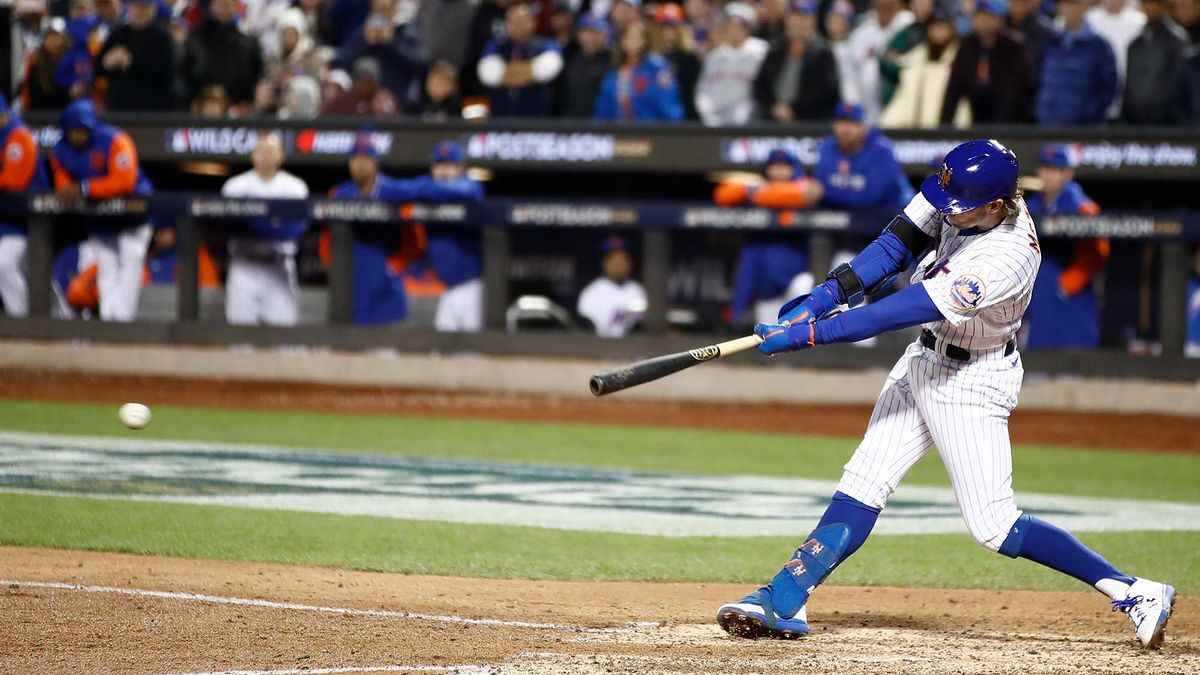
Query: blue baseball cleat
[1148,605]
[754,617]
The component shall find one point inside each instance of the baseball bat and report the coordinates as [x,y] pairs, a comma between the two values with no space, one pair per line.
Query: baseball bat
[652,369]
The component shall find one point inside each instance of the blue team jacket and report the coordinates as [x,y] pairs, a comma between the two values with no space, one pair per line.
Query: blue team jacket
[765,270]
[1053,321]
[93,161]
[1078,79]
[38,183]
[871,177]
[535,100]
[1193,312]
[653,95]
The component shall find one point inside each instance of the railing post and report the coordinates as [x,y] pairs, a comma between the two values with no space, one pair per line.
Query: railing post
[187,286]
[656,270]
[820,255]
[1172,291]
[341,273]
[39,255]
[497,245]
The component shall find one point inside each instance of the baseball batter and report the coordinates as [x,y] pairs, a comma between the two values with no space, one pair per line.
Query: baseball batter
[953,389]
[261,285]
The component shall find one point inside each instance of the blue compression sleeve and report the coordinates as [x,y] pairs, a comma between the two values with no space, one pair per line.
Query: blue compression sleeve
[880,259]
[909,307]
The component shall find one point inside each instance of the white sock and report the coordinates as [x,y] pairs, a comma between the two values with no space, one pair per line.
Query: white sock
[1113,588]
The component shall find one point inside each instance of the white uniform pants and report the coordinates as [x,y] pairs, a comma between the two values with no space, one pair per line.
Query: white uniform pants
[14,291]
[120,259]
[962,408]
[460,309]
[262,291]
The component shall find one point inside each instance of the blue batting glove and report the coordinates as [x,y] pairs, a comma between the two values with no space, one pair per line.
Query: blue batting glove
[809,308]
[778,338]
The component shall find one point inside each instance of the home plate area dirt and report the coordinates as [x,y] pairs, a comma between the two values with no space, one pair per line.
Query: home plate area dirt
[69,611]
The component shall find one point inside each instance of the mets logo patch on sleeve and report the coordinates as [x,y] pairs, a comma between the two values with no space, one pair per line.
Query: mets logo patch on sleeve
[967,291]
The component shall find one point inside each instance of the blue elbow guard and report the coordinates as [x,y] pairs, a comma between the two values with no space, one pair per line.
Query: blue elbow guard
[812,562]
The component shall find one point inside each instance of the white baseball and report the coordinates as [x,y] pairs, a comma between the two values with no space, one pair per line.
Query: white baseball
[134,415]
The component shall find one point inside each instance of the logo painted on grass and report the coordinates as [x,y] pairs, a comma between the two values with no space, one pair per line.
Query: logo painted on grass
[499,493]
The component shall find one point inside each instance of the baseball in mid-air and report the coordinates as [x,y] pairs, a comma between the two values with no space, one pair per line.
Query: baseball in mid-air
[134,415]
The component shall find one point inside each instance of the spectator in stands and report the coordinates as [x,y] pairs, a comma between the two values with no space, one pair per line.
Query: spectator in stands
[139,61]
[397,53]
[212,103]
[1154,58]
[1063,311]
[111,14]
[772,268]
[614,302]
[441,101]
[217,52]
[798,80]
[21,171]
[334,84]
[1187,15]
[1037,29]
[641,87]
[377,289]
[28,24]
[905,40]
[316,17]
[1191,348]
[857,167]
[562,29]
[74,71]
[300,99]
[861,80]
[486,25]
[585,69]
[365,97]
[346,17]
[838,22]
[261,285]
[454,252]
[96,161]
[297,53]
[1119,24]
[701,17]
[442,25]
[624,14]
[992,71]
[1185,108]
[770,21]
[725,91]
[1079,72]
[261,19]
[519,70]
[673,40]
[39,89]
[924,75]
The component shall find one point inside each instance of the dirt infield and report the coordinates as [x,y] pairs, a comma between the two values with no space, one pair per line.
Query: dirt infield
[422,624]
[1161,433]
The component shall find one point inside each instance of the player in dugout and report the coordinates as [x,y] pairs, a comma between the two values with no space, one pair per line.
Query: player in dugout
[380,255]
[20,171]
[96,161]
[857,166]
[1063,313]
[773,266]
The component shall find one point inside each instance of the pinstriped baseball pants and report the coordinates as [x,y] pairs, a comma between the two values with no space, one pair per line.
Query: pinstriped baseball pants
[961,409]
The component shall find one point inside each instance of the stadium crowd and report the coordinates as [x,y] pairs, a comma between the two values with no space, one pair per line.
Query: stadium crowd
[923,63]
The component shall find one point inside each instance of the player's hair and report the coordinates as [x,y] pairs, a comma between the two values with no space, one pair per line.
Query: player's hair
[1012,205]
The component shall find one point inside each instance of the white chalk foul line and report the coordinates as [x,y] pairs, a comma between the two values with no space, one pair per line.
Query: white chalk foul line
[252,602]
[456,670]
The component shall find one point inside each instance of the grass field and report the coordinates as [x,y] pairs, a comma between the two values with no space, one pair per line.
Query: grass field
[522,552]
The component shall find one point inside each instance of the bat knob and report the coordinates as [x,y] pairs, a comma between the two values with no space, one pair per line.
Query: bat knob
[596,384]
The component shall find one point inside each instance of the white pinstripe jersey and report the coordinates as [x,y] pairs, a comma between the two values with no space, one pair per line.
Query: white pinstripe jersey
[982,282]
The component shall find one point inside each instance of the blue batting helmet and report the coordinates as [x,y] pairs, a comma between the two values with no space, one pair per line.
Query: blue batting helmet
[972,174]
[448,152]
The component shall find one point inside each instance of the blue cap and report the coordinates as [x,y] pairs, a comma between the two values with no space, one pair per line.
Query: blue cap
[996,7]
[1061,155]
[448,152]
[781,156]
[850,111]
[614,243]
[3,104]
[364,145]
[79,114]
[802,7]
[972,174]
[594,22]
